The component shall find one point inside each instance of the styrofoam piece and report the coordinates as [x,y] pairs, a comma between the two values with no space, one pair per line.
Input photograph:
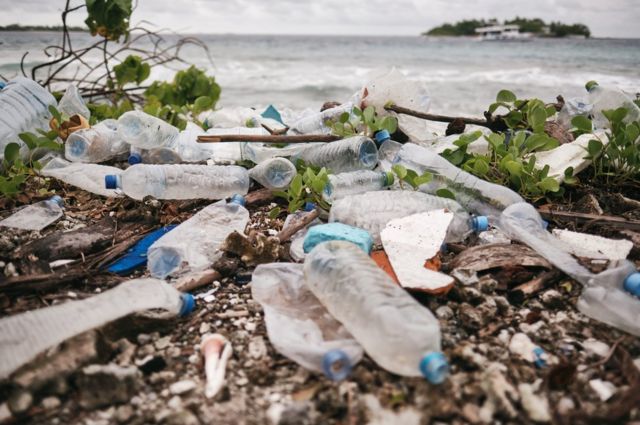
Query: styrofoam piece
[592,246]
[568,155]
[410,242]
[337,232]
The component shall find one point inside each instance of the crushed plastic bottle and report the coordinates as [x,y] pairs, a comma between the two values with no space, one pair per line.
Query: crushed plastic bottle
[180,181]
[473,193]
[316,123]
[193,244]
[25,335]
[275,173]
[153,156]
[89,177]
[260,152]
[299,326]
[372,211]
[396,331]
[607,296]
[354,153]
[354,182]
[96,144]
[72,103]
[145,131]
[387,149]
[606,98]
[36,216]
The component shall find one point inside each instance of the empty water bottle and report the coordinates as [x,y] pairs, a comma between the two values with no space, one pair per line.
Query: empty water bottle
[260,152]
[275,173]
[25,335]
[571,109]
[607,98]
[396,331]
[36,216]
[387,149]
[354,153]
[193,244]
[89,177]
[373,210]
[316,123]
[145,131]
[180,181]
[96,144]
[345,184]
[473,193]
[72,103]
[299,326]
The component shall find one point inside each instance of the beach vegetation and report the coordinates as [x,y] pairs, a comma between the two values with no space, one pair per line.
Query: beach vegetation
[535,26]
[365,122]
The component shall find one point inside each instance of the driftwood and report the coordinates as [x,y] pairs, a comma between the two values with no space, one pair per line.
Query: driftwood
[259,197]
[303,138]
[521,292]
[611,221]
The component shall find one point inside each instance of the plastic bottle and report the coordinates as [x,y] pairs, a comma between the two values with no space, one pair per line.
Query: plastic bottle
[275,173]
[36,216]
[345,184]
[153,156]
[180,181]
[354,153]
[89,177]
[25,335]
[23,107]
[299,326]
[474,194]
[606,98]
[145,131]
[387,149]
[608,296]
[193,244]
[260,152]
[396,331]
[571,109]
[96,144]
[316,123]
[373,210]
[72,103]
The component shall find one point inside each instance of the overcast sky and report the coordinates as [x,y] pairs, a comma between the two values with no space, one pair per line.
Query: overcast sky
[606,18]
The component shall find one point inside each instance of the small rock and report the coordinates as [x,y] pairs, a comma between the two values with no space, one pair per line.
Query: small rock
[257,348]
[5,413]
[537,407]
[471,295]
[504,308]
[552,298]
[565,405]
[470,317]
[101,385]
[126,352]
[10,270]
[604,389]
[50,403]
[205,327]
[471,413]
[162,343]
[593,346]
[182,387]
[175,402]
[124,413]
[242,381]
[20,401]
[522,346]
[487,284]
[444,312]
[143,339]
[183,417]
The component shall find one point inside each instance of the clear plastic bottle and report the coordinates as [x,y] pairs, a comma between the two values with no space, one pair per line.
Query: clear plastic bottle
[275,173]
[36,216]
[153,156]
[606,98]
[89,177]
[387,149]
[193,244]
[180,181]
[316,122]
[96,144]
[299,326]
[25,335]
[72,103]
[354,153]
[396,331]
[260,152]
[145,131]
[373,210]
[571,109]
[354,182]
[473,193]
[608,296]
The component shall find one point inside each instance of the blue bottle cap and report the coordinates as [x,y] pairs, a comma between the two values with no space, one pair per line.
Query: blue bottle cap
[58,200]
[539,361]
[336,365]
[111,181]
[188,304]
[238,199]
[632,284]
[309,206]
[381,136]
[135,158]
[2,84]
[434,367]
[480,223]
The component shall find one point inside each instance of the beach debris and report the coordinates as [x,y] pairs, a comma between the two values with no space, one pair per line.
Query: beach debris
[216,351]
[594,247]
[337,232]
[257,248]
[36,216]
[413,245]
[523,347]
[136,256]
[604,389]
[568,155]
[102,385]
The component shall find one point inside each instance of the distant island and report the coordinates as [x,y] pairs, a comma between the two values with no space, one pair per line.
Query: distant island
[533,26]
[18,27]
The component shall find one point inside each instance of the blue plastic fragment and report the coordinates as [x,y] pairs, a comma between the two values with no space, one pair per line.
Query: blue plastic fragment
[272,112]
[337,232]
[2,85]
[136,256]
[434,367]
[539,357]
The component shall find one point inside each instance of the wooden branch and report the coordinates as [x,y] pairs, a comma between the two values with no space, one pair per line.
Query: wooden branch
[304,138]
[611,221]
[194,281]
[259,196]
[435,117]
[286,233]
[521,292]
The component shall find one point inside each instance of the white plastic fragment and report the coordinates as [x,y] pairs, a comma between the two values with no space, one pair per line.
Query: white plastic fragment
[604,389]
[216,350]
[592,246]
[593,346]
[522,346]
[413,240]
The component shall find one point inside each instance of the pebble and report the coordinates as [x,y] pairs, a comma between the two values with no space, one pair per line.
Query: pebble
[175,402]
[604,389]
[163,343]
[5,413]
[20,401]
[242,381]
[50,403]
[143,339]
[444,312]
[593,346]
[470,317]
[552,298]
[537,407]
[182,387]
[257,347]
[10,270]
[124,413]
[205,327]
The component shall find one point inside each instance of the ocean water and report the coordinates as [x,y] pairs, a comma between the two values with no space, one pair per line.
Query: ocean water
[462,75]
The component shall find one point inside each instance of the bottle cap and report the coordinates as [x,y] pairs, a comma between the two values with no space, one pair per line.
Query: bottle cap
[388,178]
[632,284]
[238,199]
[382,136]
[188,304]
[309,206]
[58,200]
[539,357]
[434,367]
[590,85]
[336,365]
[111,181]
[480,223]
[135,158]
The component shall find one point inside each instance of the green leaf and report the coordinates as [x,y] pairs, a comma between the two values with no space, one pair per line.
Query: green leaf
[30,139]
[296,186]
[480,167]
[400,171]
[54,112]
[582,124]
[368,114]
[594,148]
[11,152]
[506,96]
[426,177]
[344,117]
[275,212]
[445,193]
[549,184]
[514,168]
[536,119]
